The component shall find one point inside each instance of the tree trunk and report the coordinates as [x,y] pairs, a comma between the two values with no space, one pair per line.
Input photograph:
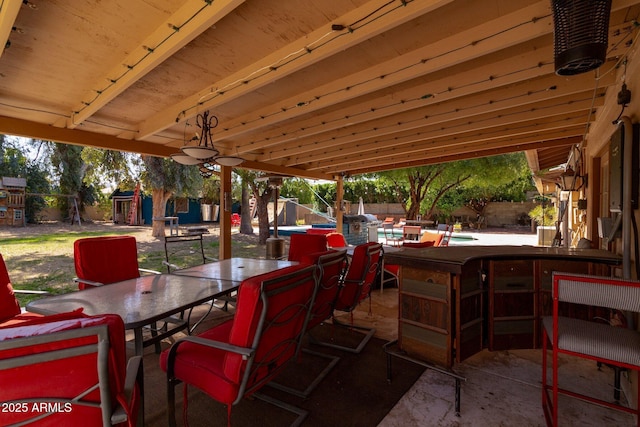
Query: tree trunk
[262,202]
[159,198]
[245,215]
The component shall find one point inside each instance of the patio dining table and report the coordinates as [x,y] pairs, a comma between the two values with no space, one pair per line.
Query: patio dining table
[234,269]
[152,298]
[140,301]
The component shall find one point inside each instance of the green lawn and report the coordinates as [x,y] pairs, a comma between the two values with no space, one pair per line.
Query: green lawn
[45,261]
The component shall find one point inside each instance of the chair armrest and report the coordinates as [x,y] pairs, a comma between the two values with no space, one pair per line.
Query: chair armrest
[88,282]
[245,352]
[171,266]
[146,270]
[30,292]
[133,375]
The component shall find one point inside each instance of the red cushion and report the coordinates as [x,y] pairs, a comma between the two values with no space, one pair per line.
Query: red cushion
[248,314]
[359,278]
[106,260]
[302,244]
[29,319]
[328,287]
[66,377]
[319,230]
[19,319]
[392,268]
[219,373]
[336,240]
[9,306]
[200,371]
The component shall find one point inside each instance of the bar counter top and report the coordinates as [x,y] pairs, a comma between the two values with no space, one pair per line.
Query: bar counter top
[452,258]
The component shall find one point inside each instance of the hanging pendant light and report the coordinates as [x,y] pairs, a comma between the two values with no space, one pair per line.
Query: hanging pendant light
[205,154]
[228,160]
[205,149]
[183,159]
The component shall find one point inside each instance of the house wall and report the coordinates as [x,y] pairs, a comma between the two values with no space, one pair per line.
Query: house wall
[596,161]
[597,150]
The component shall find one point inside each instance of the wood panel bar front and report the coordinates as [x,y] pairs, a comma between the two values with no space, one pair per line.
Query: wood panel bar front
[454,301]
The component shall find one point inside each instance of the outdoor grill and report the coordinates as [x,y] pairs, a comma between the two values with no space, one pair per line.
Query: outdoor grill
[355,228]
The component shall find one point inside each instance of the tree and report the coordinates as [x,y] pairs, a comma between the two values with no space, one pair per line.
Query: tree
[67,161]
[506,177]
[263,195]
[15,163]
[119,168]
[325,197]
[166,178]
[423,189]
[297,188]
[245,217]
[367,186]
[424,184]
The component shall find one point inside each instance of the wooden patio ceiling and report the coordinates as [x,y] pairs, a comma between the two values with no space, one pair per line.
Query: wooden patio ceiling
[313,88]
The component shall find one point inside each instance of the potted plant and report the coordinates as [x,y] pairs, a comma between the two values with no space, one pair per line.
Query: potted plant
[545,216]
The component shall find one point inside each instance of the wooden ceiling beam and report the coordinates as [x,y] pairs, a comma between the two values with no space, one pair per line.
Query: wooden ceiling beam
[535,141]
[532,98]
[283,170]
[444,53]
[533,61]
[427,148]
[8,13]
[480,78]
[29,129]
[535,145]
[238,83]
[191,20]
[453,129]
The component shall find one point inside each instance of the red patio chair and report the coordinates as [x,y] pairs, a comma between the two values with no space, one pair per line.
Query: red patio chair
[77,366]
[336,240]
[362,272]
[236,358]
[10,311]
[235,220]
[330,266]
[107,259]
[303,244]
[103,260]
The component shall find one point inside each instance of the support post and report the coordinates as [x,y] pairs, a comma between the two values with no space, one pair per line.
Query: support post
[339,200]
[225,212]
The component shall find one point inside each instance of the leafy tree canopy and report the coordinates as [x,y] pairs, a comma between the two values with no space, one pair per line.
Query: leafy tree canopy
[14,163]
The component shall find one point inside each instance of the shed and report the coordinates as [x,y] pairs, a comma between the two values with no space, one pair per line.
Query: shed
[12,201]
[121,202]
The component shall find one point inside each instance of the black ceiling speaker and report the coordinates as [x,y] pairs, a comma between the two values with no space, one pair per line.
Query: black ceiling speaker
[581,31]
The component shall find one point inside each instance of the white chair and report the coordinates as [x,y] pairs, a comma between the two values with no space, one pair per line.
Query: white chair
[389,237]
[615,346]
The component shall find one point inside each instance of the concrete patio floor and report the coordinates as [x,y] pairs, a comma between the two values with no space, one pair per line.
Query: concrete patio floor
[501,388]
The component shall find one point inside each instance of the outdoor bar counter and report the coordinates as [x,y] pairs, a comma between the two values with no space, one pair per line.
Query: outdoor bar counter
[455,301]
